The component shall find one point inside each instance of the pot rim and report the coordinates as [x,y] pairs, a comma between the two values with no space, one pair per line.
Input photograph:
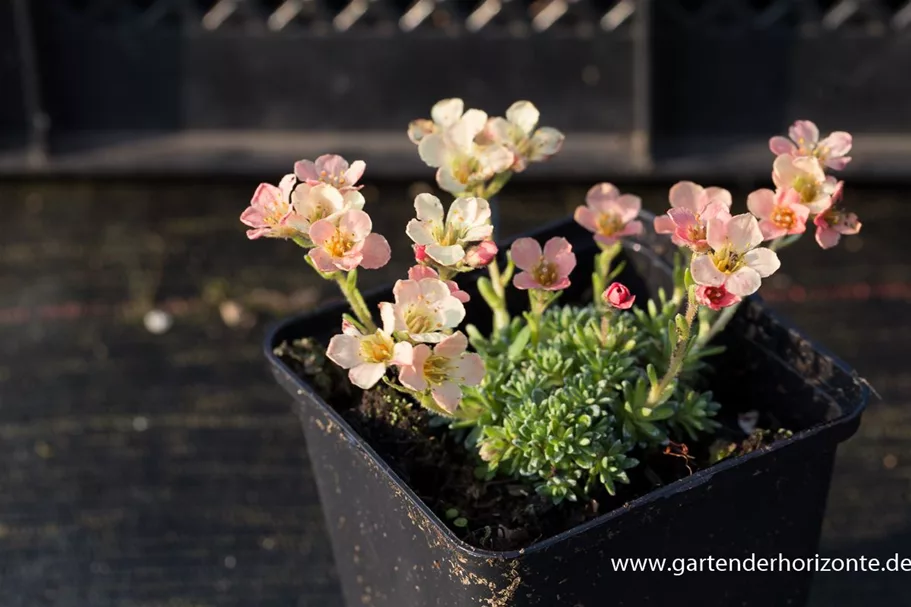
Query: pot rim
[682,485]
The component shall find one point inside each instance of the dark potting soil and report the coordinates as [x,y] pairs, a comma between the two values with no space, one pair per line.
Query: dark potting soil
[500,514]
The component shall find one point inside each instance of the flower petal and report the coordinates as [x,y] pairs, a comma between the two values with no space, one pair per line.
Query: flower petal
[782,145]
[447,395]
[600,193]
[355,225]
[402,354]
[447,256]
[526,253]
[837,143]
[376,252]
[433,150]
[305,170]
[663,224]
[545,143]
[804,131]
[355,172]
[388,316]
[428,208]
[462,134]
[587,218]
[344,350]
[687,195]
[447,112]
[761,203]
[524,281]
[420,232]
[705,273]
[365,376]
[628,207]
[524,115]
[743,232]
[718,195]
[764,261]
[743,282]
[716,230]
[452,346]
[322,231]
[470,369]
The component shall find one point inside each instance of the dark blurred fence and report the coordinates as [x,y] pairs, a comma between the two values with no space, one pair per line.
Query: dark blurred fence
[646,88]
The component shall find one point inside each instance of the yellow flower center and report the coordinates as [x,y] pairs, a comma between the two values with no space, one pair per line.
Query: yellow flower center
[465,168]
[727,260]
[338,244]
[783,217]
[608,224]
[545,273]
[436,369]
[419,320]
[376,348]
[806,187]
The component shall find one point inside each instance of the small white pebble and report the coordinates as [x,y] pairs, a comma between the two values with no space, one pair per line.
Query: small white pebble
[157,321]
[230,562]
[140,424]
[747,421]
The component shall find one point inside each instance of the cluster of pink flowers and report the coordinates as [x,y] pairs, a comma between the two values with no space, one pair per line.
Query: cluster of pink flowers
[319,206]
[804,191]
[468,148]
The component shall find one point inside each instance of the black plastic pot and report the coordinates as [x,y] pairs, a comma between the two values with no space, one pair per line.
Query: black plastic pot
[391,550]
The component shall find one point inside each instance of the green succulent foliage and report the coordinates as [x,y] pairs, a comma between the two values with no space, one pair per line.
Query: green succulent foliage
[567,414]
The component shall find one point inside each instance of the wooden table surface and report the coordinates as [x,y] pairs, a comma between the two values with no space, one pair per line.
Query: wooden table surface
[142,469]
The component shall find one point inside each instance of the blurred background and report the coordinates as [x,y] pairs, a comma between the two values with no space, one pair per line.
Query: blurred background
[147,458]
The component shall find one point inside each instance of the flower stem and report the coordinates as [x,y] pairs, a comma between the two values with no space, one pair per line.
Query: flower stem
[497,302]
[684,331]
[495,185]
[603,261]
[355,300]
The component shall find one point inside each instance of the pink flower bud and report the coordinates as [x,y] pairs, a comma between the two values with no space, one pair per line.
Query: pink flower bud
[619,296]
[715,298]
[420,253]
[481,254]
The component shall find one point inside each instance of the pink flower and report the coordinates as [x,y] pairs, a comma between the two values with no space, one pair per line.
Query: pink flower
[692,206]
[270,210]
[443,371]
[780,212]
[734,262]
[833,223]
[619,296]
[422,272]
[422,309]
[715,297]
[804,141]
[481,254]
[608,214]
[548,270]
[367,356]
[806,176]
[331,169]
[346,243]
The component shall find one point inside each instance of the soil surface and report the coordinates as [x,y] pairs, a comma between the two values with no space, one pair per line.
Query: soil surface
[503,513]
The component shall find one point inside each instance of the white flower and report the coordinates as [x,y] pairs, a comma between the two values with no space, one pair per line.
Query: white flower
[451,148]
[367,356]
[468,221]
[734,261]
[313,202]
[443,371]
[517,132]
[422,309]
[805,175]
[444,114]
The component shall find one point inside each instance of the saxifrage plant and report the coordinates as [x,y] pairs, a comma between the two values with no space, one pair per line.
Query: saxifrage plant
[562,395]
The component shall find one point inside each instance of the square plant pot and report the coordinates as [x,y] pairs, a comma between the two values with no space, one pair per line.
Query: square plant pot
[392,550]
